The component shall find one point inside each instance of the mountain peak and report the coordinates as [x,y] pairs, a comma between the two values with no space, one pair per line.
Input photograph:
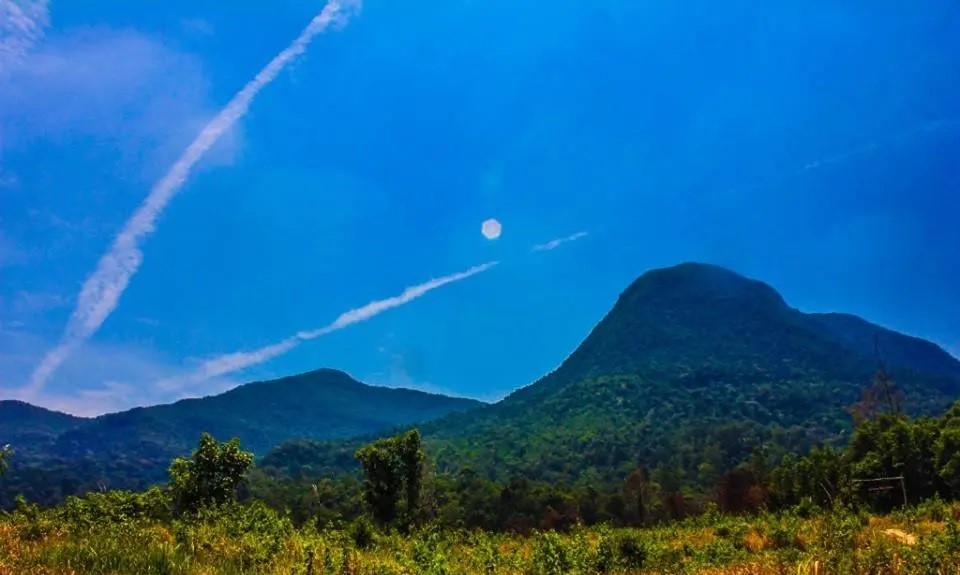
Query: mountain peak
[698,281]
[694,315]
[323,376]
[318,404]
[693,354]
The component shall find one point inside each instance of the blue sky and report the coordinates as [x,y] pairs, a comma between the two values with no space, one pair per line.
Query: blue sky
[813,145]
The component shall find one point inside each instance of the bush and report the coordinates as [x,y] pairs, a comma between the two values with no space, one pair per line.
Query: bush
[428,555]
[605,559]
[935,509]
[362,533]
[806,508]
[115,507]
[34,524]
[486,557]
[632,551]
[248,535]
[550,556]
[784,534]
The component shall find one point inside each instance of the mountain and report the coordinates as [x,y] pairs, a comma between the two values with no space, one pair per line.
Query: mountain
[33,428]
[857,335]
[133,448]
[692,370]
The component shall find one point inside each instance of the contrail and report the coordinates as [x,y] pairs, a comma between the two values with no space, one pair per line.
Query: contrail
[945,124]
[870,147]
[233,362]
[554,244]
[102,290]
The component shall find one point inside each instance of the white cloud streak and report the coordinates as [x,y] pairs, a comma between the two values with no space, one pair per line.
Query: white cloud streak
[554,244]
[871,147]
[102,290]
[22,25]
[233,362]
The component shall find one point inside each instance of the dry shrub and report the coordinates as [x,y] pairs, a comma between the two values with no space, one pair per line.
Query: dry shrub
[756,542]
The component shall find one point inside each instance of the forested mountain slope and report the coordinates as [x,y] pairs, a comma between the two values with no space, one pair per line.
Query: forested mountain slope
[692,370]
[58,454]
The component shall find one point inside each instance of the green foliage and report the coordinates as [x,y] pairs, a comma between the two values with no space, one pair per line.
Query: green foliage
[393,468]
[116,507]
[61,455]
[235,539]
[362,533]
[805,485]
[920,450]
[253,533]
[5,452]
[35,524]
[211,477]
[33,429]
[551,556]
[632,551]
[946,449]
[693,372]
[783,532]
[430,554]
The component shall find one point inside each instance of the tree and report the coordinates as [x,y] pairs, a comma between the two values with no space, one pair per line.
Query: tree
[634,489]
[740,490]
[882,393]
[411,464]
[211,477]
[5,453]
[947,451]
[392,468]
[382,481]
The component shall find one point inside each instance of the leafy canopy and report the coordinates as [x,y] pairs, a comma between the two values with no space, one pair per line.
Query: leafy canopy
[393,468]
[5,452]
[211,476]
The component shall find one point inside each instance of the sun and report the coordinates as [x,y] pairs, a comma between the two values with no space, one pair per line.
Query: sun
[491,229]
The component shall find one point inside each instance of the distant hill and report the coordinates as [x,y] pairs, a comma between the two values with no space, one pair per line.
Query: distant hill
[133,448]
[32,428]
[693,369]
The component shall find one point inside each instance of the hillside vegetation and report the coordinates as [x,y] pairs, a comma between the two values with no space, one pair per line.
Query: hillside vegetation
[60,455]
[693,370]
[704,426]
[404,520]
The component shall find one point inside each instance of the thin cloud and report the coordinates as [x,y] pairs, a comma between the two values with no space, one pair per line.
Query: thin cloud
[102,290]
[946,124]
[22,25]
[554,244]
[106,377]
[233,362]
[891,140]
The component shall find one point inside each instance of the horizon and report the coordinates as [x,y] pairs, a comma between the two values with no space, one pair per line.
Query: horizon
[455,395]
[412,194]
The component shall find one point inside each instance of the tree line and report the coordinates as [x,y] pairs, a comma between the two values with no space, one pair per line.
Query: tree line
[890,460]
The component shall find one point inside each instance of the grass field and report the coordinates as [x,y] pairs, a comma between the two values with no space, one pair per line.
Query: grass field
[254,539]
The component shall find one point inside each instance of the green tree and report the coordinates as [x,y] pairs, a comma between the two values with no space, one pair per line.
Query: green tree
[411,463]
[211,476]
[947,451]
[5,453]
[393,469]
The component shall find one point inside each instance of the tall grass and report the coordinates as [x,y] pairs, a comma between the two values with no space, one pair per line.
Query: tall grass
[235,540]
